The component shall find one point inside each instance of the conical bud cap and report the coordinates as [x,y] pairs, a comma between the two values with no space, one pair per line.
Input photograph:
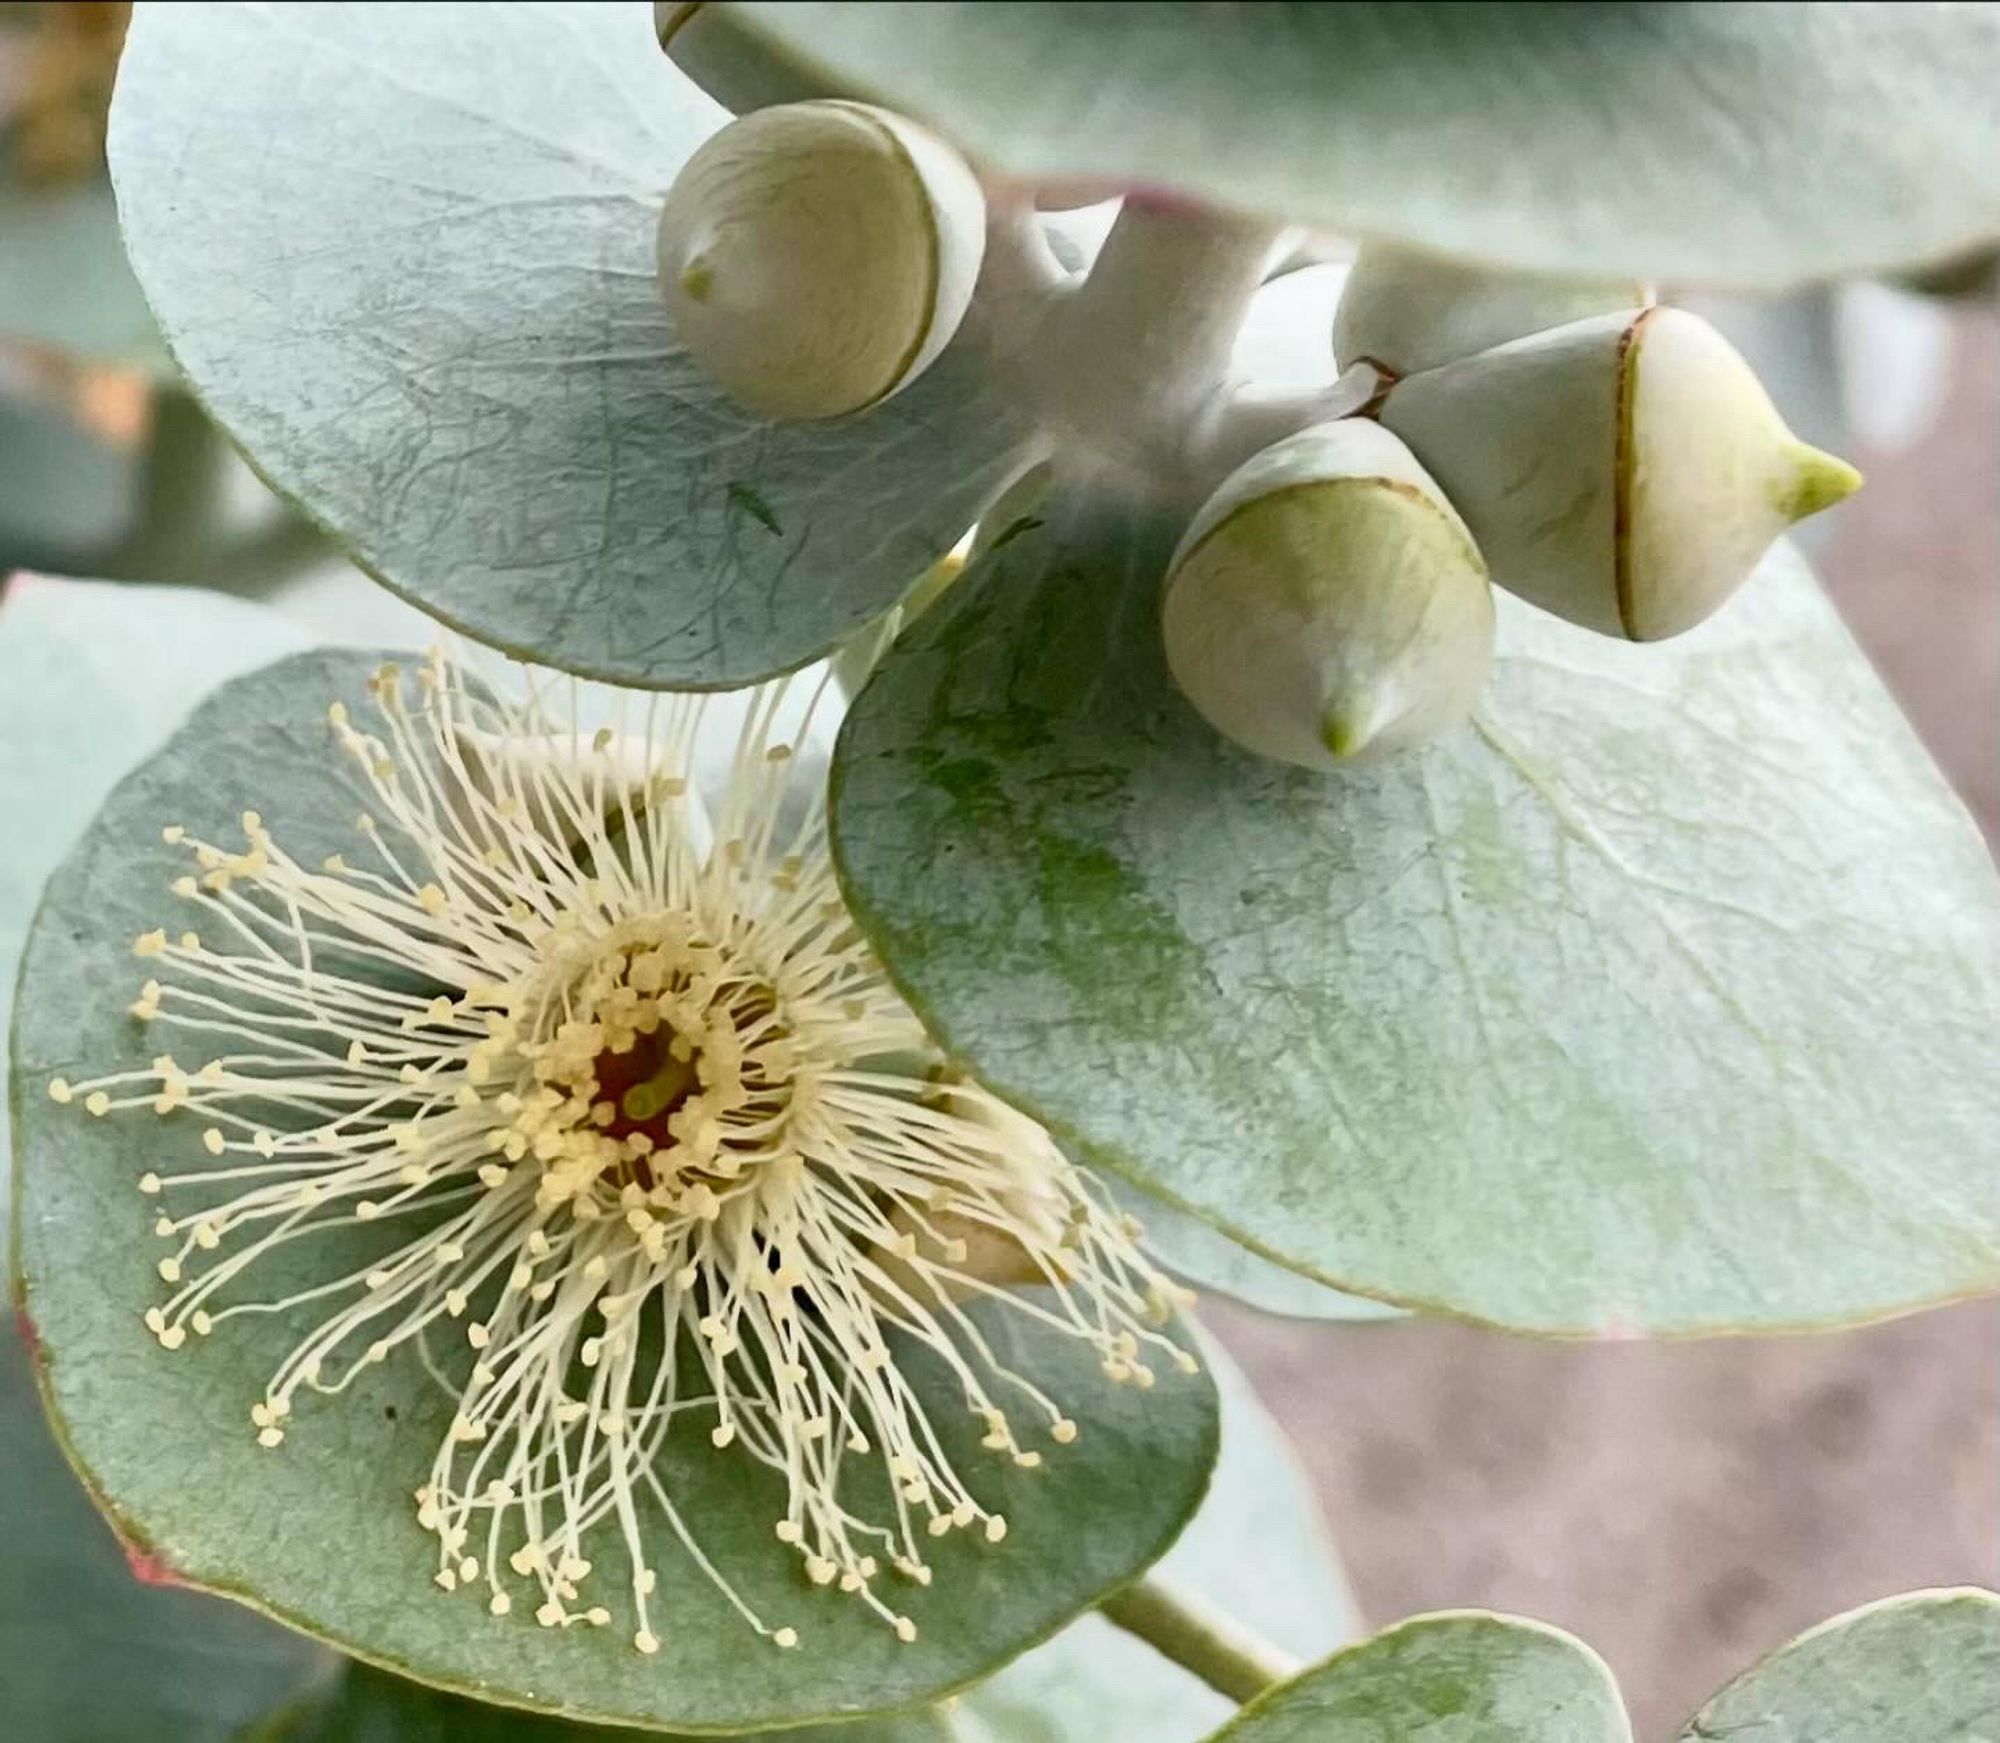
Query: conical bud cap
[816,257]
[1328,603]
[1626,472]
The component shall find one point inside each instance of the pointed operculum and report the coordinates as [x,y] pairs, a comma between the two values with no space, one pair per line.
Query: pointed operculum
[1710,475]
[1327,603]
[1407,311]
[817,257]
[1626,472]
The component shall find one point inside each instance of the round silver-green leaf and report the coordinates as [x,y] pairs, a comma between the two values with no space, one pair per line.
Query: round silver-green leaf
[1920,1668]
[1456,1677]
[1663,997]
[1217,1263]
[1708,140]
[321,1532]
[405,254]
[367,1705]
[88,1652]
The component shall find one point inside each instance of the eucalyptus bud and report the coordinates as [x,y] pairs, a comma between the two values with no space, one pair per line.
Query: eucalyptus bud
[817,257]
[1328,601]
[1405,311]
[1625,472]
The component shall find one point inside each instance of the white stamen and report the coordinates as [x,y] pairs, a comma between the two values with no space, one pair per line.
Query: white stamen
[641,1092]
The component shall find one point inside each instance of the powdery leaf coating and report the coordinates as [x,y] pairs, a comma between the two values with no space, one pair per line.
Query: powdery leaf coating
[1921,1668]
[1457,1677]
[86,1649]
[1215,1264]
[1753,144]
[405,254]
[1662,998]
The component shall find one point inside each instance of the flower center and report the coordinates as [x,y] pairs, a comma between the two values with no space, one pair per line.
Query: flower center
[667,1068]
[645,1086]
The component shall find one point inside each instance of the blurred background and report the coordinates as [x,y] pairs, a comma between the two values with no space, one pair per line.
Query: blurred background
[1685,1507]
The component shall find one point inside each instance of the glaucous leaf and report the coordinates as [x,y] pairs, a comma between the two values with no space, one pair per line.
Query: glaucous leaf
[418,287]
[1217,1263]
[1255,1552]
[1661,998]
[1755,144]
[367,1705]
[1457,1677]
[321,1531]
[89,1653]
[1920,1668]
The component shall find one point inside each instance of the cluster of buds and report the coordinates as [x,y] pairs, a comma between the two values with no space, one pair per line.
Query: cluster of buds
[1611,460]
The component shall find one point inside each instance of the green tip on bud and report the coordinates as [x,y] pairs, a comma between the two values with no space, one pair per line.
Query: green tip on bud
[1661,470]
[1327,603]
[697,280]
[1819,481]
[1350,731]
[817,257]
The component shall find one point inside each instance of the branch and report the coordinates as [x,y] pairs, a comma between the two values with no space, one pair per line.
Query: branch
[1249,420]
[1230,1660]
[1121,361]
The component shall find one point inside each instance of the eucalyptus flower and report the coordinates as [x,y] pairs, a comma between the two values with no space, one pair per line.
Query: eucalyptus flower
[653,1146]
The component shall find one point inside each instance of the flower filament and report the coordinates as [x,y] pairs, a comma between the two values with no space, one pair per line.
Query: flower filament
[653,1145]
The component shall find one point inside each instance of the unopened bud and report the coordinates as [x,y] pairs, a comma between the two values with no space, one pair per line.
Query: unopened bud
[818,256]
[1328,601]
[1625,472]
